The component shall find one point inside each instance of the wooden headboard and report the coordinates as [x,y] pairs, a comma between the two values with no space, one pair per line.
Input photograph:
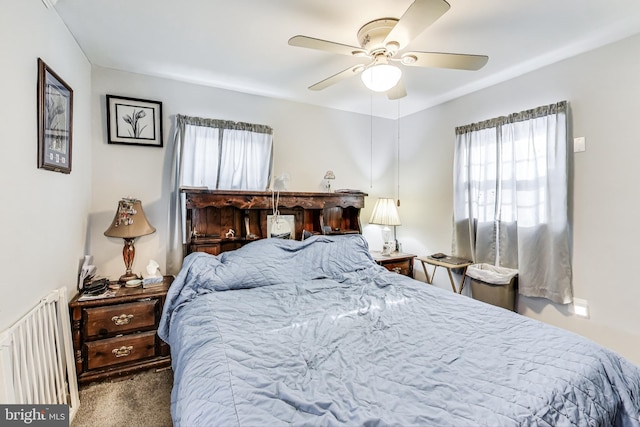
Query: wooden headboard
[212,214]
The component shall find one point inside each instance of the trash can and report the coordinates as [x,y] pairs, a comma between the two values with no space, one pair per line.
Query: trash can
[494,285]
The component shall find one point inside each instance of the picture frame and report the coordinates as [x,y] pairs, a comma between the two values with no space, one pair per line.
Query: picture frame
[134,121]
[55,121]
[281,226]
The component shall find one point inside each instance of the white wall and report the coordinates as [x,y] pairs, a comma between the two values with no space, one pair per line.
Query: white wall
[43,214]
[603,89]
[308,141]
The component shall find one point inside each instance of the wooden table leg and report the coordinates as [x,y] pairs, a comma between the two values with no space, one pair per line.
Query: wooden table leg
[453,284]
[426,273]
[464,276]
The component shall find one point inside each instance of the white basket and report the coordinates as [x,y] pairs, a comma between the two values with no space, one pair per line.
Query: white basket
[491,274]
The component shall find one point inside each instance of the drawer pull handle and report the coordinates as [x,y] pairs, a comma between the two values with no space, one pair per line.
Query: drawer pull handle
[123,319]
[122,351]
[397,270]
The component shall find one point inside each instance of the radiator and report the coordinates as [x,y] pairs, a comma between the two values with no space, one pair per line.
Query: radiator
[36,357]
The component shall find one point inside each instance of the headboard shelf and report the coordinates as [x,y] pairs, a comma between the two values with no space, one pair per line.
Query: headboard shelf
[264,199]
[219,221]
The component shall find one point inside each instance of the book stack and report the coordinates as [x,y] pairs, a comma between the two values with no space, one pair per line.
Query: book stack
[95,289]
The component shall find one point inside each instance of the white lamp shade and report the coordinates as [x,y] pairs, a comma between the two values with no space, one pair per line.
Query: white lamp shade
[381,78]
[385,213]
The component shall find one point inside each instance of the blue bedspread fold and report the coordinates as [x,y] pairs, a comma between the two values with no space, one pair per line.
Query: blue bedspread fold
[311,333]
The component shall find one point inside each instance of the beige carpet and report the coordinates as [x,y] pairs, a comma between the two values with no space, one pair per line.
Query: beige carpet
[138,401]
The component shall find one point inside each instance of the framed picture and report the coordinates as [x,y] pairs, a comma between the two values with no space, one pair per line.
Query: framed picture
[281,226]
[55,120]
[134,121]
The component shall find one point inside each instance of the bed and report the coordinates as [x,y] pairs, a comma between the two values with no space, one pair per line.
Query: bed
[315,333]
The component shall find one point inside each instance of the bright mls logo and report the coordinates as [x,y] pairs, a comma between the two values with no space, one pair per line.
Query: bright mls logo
[34,415]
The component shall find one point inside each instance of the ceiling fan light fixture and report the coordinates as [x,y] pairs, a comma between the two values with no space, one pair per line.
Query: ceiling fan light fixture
[381,77]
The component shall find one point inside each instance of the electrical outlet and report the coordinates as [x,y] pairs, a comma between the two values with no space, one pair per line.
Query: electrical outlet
[579,144]
[581,307]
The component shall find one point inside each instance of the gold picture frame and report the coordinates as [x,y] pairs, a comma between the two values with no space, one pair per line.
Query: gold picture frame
[55,120]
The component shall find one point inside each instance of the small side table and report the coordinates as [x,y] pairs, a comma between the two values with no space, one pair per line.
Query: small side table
[397,262]
[449,263]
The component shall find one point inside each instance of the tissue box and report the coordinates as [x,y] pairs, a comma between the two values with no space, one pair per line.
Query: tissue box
[151,281]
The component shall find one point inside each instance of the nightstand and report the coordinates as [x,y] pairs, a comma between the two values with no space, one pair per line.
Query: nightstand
[398,262]
[117,335]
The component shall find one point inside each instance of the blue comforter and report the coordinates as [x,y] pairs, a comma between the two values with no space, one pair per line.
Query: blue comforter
[315,333]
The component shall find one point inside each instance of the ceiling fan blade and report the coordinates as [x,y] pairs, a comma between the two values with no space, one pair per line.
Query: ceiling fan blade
[325,45]
[444,60]
[415,20]
[344,74]
[397,92]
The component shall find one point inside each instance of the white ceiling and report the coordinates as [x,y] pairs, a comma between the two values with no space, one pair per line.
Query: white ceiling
[242,45]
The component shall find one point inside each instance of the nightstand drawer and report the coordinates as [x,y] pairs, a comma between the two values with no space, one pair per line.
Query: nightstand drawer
[398,262]
[119,318]
[401,267]
[124,349]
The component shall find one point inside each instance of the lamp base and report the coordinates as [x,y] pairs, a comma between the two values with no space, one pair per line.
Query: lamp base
[127,276]
[128,253]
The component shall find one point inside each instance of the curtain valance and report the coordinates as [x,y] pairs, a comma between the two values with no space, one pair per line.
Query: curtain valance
[223,124]
[545,110]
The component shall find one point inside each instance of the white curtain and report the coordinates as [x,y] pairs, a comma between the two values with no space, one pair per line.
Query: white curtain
[216,154]
[511,189]
[200,156]
[245,160]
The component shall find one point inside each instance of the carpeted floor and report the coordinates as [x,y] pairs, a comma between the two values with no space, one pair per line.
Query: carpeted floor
[138,401]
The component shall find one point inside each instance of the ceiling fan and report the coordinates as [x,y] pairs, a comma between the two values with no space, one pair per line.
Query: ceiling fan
[381,43]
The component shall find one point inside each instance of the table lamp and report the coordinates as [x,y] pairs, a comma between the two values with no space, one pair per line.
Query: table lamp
[385,213]
[129,223]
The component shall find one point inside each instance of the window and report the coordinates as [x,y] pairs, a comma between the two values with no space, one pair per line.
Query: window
[216,154]
[510,198]
[223,155]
